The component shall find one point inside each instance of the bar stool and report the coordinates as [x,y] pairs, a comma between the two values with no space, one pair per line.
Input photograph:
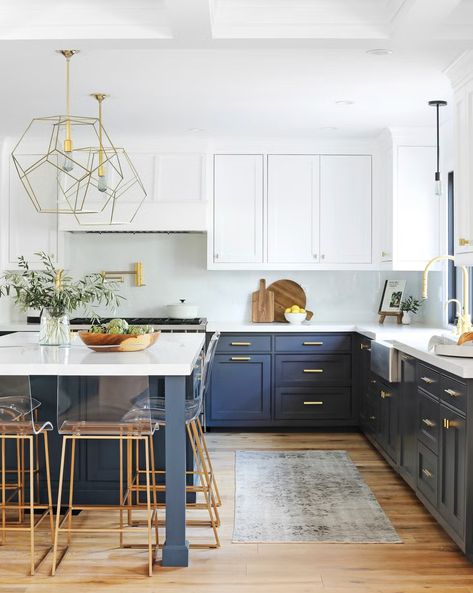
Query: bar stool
[105,412]
[205,481]
[19,423]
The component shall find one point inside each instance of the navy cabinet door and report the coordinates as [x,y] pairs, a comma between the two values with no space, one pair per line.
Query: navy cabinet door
[451,499]
[408,420]
[240,390]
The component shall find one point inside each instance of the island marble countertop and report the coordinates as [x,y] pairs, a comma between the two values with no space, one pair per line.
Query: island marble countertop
[173,354]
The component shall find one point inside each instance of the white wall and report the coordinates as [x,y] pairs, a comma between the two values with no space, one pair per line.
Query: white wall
[175,267]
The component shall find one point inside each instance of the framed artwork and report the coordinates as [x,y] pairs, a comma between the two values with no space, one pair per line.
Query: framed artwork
[393,294]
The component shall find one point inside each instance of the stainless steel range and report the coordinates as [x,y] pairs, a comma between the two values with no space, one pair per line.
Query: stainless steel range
[165,324]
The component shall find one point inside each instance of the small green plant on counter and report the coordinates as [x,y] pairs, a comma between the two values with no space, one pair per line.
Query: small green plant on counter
[411,305]
[53,290]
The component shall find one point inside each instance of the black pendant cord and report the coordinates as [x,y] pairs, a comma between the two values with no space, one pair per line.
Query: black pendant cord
[437,173]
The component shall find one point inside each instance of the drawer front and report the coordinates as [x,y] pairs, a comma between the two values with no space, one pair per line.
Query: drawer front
[427,476]
[428,424]
[248,343]
[428,379]
[334,369]
[330,403]
[313,343]
[453,392]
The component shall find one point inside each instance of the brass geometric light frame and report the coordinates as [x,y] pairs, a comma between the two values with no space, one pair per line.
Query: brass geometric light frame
[114,192]
[55,159]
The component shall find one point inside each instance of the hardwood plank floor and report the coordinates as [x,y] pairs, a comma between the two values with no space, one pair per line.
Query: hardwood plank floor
[427,561]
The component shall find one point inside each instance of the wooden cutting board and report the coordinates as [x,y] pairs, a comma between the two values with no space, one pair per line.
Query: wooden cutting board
[286,294]
[262,304]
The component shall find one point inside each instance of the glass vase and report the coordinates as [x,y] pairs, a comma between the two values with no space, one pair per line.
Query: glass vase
[54,330]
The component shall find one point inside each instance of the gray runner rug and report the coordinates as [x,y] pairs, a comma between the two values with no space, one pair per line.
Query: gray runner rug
[305,496]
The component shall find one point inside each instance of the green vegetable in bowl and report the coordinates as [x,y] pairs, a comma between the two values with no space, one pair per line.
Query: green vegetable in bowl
[120,326]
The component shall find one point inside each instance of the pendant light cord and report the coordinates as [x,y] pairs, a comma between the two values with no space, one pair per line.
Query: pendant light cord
[438,139]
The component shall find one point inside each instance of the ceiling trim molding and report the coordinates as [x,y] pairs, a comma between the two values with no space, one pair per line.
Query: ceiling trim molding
[460,71]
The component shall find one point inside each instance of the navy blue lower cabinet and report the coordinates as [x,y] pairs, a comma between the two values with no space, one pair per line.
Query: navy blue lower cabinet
[240,390]
[321,369]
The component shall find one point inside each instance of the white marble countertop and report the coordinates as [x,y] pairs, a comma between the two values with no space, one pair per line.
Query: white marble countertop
[173,354]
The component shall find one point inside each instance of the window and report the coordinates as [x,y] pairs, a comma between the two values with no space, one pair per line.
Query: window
[452,275]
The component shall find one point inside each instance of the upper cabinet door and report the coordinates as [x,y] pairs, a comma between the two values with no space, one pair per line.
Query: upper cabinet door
[417,207]
[345,209]
[293,208]
[238,208]
[463,177]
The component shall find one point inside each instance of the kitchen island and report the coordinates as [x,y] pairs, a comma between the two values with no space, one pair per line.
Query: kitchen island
[170,363]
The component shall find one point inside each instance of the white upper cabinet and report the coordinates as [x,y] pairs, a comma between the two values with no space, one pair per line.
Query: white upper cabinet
[238,209]
[407,209]
[345,209]
[24,230]
[293,208]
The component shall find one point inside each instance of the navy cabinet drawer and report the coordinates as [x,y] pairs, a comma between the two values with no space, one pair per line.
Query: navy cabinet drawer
[313,343]
[330,403]
[428,379]
[240,388]
[323,369]
[453,392]
[427,476]
[428,428]
[246,343]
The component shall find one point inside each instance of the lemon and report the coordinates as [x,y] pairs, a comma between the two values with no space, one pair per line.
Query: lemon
[295,309]
[288,310]
[302,311]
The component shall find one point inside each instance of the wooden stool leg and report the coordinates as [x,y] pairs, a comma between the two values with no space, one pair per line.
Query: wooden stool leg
[155,490]
[121,496]
[59,497]
[209,462]
[20,479]
[4,477]
[212,509]
[48,484]
[31,505]
[71,489]
[148,508]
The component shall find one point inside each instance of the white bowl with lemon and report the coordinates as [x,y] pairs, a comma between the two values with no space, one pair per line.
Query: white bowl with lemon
[295,314]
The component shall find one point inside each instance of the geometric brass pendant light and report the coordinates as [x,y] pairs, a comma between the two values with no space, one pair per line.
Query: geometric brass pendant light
[114,192]
[68,165]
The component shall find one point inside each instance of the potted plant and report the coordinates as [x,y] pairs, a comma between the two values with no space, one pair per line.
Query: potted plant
[409,307]
[56,295]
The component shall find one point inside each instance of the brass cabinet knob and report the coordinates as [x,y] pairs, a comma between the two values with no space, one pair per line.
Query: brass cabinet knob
[428,422]
[427,473]
[464,242]
[365,347]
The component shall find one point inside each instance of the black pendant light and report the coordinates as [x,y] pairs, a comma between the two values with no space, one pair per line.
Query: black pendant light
[438,184]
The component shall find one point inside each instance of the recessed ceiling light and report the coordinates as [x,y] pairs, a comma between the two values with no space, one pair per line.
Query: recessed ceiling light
[344,102]
[380,51]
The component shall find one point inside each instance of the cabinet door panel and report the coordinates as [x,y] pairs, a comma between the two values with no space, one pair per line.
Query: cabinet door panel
[417,208]
[407,420]
[293,208]
[451,498]
[463,122]
[345,209]
[240,388]
[238,208]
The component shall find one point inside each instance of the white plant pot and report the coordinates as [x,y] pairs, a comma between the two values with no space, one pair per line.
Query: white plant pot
[406,318]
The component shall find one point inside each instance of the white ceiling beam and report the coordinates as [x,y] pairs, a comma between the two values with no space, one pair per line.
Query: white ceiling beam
[419,19]
[190,21]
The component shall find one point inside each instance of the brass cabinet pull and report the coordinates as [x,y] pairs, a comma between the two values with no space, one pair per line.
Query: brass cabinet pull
[427,380]
[313,370]
[365,347]
[464,242]
[385,394]
[385,254]
[428,422]
[373,381]
[313,403]
[312,343]
[452,393]
[240,343]
[446,423]
[427,473]
[372,417]
[240,358]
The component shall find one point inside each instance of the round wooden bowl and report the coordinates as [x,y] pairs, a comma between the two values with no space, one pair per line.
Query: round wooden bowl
[118,342]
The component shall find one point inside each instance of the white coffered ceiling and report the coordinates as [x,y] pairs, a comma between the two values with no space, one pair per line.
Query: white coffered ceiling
[233,67]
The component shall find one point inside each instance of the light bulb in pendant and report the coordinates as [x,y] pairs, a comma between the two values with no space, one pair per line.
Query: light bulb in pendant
[438,184]
[102,183]
[68,164]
